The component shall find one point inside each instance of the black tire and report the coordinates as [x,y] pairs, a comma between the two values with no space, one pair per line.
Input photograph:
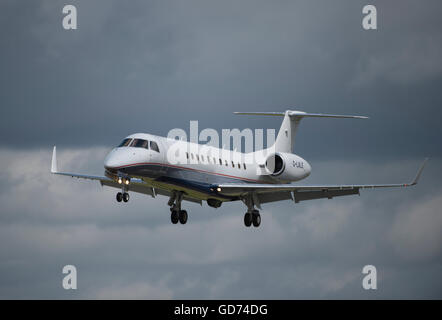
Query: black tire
[183,216]
[256,219]
[119,196]
[247,219]
[126,197]
[174,216]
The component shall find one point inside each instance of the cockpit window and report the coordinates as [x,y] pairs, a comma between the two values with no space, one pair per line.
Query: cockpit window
[124,143]
[140,143]
[154,146]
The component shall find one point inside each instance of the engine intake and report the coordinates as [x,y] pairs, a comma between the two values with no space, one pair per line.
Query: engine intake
[286,167]
[275,164]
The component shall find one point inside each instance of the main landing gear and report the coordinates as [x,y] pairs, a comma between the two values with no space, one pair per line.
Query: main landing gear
[176,214]
[252,215]
[252,218]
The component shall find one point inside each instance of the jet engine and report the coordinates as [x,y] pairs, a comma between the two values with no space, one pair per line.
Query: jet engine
[287,167]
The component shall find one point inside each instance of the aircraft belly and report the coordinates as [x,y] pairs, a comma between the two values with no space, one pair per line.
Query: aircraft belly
[194,182]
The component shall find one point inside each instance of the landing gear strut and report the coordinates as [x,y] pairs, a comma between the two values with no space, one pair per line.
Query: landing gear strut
[176,214]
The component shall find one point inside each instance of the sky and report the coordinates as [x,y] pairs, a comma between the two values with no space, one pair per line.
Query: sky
[152,66]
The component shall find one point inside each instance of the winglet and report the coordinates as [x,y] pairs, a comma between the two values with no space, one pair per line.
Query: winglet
[54,161]
[419,172]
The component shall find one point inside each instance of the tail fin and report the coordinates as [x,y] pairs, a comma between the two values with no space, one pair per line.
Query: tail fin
[286,135]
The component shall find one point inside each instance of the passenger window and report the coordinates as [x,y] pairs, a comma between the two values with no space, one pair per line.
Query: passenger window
[154,146]
[124,143]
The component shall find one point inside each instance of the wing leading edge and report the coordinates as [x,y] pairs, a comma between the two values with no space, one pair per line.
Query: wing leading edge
[275,192]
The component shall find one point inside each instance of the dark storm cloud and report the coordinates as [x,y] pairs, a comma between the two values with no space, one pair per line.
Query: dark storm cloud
[155,65]
[309,250]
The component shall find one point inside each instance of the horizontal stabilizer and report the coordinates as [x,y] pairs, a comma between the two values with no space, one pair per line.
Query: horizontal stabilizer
[300,114]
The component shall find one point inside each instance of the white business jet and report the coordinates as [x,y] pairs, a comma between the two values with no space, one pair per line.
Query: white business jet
[181,170]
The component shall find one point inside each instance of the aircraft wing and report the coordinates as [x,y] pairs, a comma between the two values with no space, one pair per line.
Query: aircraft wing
[136,185]
[263,193]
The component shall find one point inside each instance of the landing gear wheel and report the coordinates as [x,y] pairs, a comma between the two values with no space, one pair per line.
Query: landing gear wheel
[119,196]
[125,197]
[256,219]
[247,219]
[174,216]
[183,216]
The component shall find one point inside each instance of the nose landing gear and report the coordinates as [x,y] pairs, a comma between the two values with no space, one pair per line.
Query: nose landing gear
[122,196]
[124,182]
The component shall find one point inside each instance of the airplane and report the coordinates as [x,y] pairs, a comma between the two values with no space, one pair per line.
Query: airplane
[144,163]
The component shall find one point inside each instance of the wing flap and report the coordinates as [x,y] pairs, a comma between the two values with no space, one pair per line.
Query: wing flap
[238,189]
[322,194]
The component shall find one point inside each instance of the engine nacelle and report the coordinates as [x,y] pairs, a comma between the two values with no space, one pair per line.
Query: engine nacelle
[287,167]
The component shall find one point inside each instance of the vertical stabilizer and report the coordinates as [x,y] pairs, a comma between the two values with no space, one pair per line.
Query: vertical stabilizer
[285,139]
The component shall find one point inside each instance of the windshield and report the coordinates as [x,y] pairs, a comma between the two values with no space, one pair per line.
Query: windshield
[124,143]
[140,143]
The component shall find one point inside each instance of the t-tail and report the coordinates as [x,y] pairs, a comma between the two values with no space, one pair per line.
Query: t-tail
[286,136]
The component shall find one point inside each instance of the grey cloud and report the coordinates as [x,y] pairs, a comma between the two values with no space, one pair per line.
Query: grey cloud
[310,250]
[152,66]
[140,67]
[417,230]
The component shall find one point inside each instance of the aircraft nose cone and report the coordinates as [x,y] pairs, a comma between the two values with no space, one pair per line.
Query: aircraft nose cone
[111,161]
